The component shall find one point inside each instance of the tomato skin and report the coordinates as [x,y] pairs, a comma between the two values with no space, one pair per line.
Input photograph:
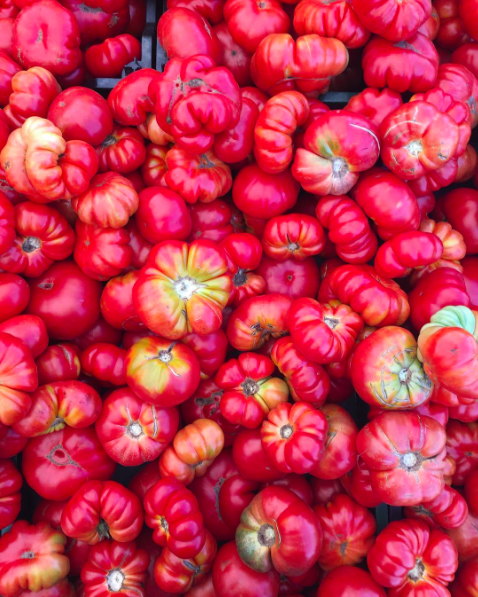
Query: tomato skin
[332,168]
[30,329]
[161,372]
[11,443]
[263,195]
[162,215]
[415,543]
[395,23]
[236,144]
[293,235]
[234,58]
[466,580]
[461,84]
[440,288]
[448,510]
[184,33]
[308,382]
[345,580]
[143,480]
[461,445]
[211,221]
[386,371]
[192,121]
[305,64]
[105,362]
[116,303]
[343,521]
[121,151]
[14,295]
[100,510]
[293,436]
[451,34]
[109,556]
[59,404]
[292,278]
[295,539]
[108,58]
[129,102]
[413,471]
[47,460]
[47,544]
[250,458]
[340,453]
[231,574]
[466,55]
[133,432]
[460,208]
[60,50]
[357,484]
[101,331]
[11,483]
[348,227]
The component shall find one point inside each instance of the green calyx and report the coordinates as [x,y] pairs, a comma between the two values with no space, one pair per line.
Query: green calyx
[453,317]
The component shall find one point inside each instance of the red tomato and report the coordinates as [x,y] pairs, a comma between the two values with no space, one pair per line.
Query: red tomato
[392,21]
[129,101]
[122,151]
[357,484]
[466,580]
[292,278]
[250,458]
[375,104]
[324,491]
[210,350]
[460,208]
[117,303]
[461,445]
[448,510]
[145,478]
[132,431]
[211,221]
[346,580]
[154,166]
[11,443]
[262,195]
[340,454]
[14,295]
[113,567]
[49,566]
[468,12]
[452,32]
[470,275]
[57,464]
[230,572]
[162,215]
[349,532]
[30,329]
[137,17]
[461,84]
[306,64]
[183,33]
[427,560]
[11,483]
[406,251]
[59,51]
[467,55]
[293,235]
[101,331]
[99,19]
[59,404]
[278,530]
[234,58]
[293,436]
[110,57]
[235,144]
[172,511]
[8,9]
[307,381]
[405,453]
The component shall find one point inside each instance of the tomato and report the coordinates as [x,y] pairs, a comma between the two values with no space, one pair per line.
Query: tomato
[263,195]
[307,381]
[133,432]
[340,453]
[323,332]
[332,167]
[188,116]
[448,510]
[99,19]
[293,235]
[59,404]
[192,452]
[172,573]
[466,55]
[59,51]
[153,168]
[278,530]
[235,144]
[339,21]
[46,565]
[196,177]
[405,453]
[8,9]
[11,483]
[466,580]
[129,101]
[30,329]
[57,464]
[211,221]
[173,513]
[105,362]
[452,32]
[210,350]
[294,437]
[466,164]
[348,227]
[108,203]
[100,331]
[357,484]
[306,64]
[470,276]
[33,91]
[460,208]
[379,301]
[440,288]
[11,443]
[109,58]
[162,215]
[392,21]
[349,532]
[121,151]
[232,578]
[183,33]
[461,445]
[346,580]
[426,563]
[387,201]
[291,277]
[461,84]
[234,58]
[386,371]
[114,567]
[211,10]
[250,458]
[250,391]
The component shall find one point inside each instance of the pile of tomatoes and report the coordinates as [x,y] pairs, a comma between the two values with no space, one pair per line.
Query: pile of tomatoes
[198,272]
